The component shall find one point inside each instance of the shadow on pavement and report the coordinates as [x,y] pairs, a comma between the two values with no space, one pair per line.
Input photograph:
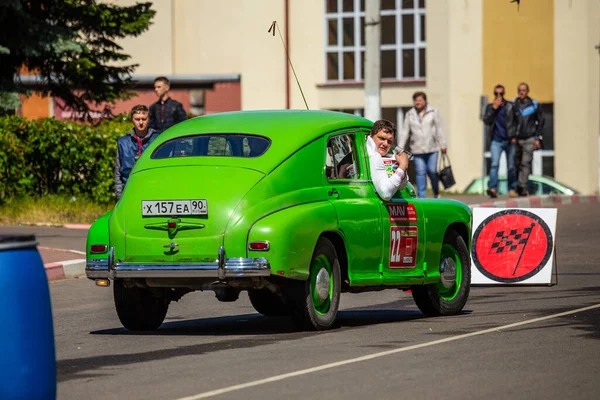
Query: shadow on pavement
[264,331]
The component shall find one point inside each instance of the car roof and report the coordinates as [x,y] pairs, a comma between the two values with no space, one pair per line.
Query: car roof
[288,130]
[535,178]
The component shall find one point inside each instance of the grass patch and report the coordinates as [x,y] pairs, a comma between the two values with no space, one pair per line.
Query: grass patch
[51,209]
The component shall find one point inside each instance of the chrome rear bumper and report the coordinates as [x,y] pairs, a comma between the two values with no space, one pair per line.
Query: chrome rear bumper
[221,268]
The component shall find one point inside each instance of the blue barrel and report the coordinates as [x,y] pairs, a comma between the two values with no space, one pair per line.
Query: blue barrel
[27,358]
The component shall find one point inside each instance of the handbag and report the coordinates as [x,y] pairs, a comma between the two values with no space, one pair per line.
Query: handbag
[445,174]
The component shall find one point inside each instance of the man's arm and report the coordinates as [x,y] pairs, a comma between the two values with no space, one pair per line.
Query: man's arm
[541,121]
[118,181]
[511,121]
[386,186]
[151,113]
[490,115]
[180,114]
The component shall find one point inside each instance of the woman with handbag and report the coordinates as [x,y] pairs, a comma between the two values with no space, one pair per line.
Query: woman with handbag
[423,126]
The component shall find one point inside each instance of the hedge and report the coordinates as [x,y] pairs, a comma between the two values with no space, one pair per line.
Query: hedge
[47,156]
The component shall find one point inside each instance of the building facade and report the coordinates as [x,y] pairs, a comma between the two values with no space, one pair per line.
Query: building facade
[455,51]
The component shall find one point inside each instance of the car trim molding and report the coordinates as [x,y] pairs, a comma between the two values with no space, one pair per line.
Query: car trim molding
[221,268]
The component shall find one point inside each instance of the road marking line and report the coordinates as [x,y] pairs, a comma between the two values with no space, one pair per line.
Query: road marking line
[63,250]
[306,371]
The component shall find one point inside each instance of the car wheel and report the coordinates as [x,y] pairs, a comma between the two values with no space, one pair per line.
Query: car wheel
[315,306]
[447,297]
[139,309]
[267,303]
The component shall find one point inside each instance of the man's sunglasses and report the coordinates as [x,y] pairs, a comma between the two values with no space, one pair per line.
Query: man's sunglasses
[499,93]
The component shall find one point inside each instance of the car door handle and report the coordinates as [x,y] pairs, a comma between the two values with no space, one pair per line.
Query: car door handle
[334,192]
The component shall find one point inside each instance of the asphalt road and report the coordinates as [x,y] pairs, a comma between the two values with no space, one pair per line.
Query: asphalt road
[60,238]
[206,346]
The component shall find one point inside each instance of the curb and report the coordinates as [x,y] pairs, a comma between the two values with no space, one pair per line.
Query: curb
[56,225]
[65,269]
[541,201]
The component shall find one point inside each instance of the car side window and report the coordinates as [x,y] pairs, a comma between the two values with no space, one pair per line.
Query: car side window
[547,189]
[223,145]
[341,160]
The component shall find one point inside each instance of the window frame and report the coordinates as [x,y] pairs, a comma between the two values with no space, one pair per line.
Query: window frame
[210,136]
[357,159]
[358,49]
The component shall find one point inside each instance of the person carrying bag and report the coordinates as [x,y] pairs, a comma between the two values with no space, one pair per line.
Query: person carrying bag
[445,173]
[423,126]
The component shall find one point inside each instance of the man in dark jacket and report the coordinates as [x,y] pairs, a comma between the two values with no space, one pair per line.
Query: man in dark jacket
[530,129]
[166,112]
[131,145]
[500,117]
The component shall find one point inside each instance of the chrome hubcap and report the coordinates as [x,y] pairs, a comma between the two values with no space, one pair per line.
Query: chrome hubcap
[448,272]
[322,284]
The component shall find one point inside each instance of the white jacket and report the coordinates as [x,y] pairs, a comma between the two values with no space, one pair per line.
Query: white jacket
[426,135]
[385,186]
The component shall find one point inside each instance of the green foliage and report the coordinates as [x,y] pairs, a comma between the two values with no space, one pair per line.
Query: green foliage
[9,102]
[71,44]
[47,157]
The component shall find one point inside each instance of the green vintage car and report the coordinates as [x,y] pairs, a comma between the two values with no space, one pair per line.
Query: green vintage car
[278,203]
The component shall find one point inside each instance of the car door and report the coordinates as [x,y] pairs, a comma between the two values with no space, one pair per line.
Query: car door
[358,210]
[403,234]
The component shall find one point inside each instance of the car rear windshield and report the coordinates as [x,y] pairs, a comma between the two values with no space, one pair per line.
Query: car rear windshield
[223,145]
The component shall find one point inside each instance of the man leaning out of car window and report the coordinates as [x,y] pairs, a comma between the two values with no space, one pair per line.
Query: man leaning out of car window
[379,143]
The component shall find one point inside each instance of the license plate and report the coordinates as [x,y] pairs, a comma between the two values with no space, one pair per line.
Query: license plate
[174,207]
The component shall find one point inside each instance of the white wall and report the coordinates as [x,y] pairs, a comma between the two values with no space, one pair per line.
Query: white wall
[577,93]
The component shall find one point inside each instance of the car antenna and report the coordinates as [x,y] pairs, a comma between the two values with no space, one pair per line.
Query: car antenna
[274,27]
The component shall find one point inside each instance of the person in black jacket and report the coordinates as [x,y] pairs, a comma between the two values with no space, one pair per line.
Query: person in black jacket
[500,117]
[166,112]
[530,130]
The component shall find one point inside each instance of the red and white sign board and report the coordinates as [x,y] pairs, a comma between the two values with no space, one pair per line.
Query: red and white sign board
[403,246]
[402,212]
[513,246]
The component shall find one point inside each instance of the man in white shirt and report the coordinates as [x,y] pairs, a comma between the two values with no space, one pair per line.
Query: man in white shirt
[379,143]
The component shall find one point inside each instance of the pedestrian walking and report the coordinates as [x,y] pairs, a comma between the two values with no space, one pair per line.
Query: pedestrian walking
[424,128]
[500,117]
[530,131]
[131,145]
[166,112]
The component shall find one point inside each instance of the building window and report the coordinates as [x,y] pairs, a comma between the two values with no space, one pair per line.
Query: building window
[402,39]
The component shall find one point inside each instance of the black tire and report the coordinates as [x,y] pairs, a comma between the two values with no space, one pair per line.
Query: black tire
[304,311]
[267,303]
[431,299]
[139,309]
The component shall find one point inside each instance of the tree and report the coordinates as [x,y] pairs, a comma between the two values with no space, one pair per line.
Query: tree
[71,45]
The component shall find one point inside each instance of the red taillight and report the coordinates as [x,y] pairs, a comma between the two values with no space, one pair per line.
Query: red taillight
[259,246]
[172,225]
[98,248]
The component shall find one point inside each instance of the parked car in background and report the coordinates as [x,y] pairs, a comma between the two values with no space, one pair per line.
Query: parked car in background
[538,185]
[279,204]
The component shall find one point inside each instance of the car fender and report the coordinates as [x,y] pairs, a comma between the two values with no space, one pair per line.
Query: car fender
[98,234]
[292,234]
[441,215]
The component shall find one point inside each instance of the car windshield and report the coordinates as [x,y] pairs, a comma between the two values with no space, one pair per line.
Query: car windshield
[223,145]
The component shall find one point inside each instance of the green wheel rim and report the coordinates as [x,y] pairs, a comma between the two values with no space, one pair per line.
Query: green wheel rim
[321,306]
[449,294]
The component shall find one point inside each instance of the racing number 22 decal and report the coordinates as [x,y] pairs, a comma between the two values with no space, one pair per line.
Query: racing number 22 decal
[403,246]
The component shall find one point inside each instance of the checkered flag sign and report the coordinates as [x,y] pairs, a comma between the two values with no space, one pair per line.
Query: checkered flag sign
[511,240]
